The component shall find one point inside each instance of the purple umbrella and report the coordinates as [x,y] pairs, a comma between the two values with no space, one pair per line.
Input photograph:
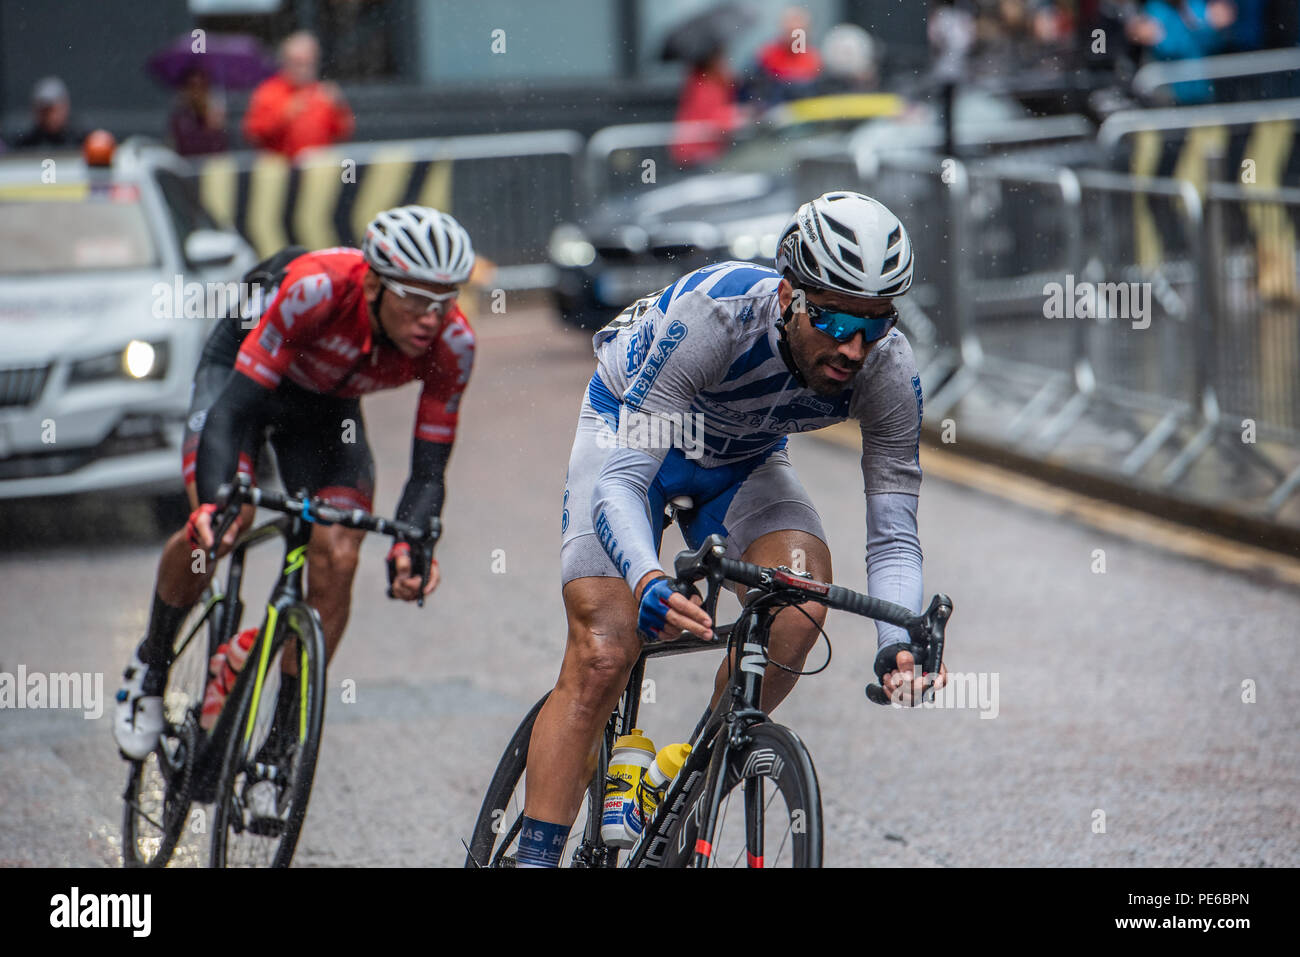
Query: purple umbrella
[230,60]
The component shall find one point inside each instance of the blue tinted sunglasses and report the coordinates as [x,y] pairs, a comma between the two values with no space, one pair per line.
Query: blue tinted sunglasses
[842,327]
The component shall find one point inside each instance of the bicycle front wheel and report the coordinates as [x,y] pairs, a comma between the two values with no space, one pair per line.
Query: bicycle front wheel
[495,839]
[159,788]
[770,811]
[270,760]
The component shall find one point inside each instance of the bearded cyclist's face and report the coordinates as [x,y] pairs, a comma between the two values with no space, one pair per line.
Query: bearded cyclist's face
[412,320]
[827,364]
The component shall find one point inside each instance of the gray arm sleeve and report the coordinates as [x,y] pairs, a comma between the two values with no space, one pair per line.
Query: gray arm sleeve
[893,558]
[691,348]
[620,511]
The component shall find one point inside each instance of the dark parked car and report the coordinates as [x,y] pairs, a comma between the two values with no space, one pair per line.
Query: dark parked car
[639,241]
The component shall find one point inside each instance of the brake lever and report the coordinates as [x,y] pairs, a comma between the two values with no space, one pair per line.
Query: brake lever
[228,500]
[431,536]
[930,639]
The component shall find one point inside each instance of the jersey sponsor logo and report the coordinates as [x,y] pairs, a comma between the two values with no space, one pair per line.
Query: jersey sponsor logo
[639,345]
[671,339]
[814,403]
[270,340]
[610,544]
[340,345]
[197,420]
[920,413]
[460,340]
[304,295]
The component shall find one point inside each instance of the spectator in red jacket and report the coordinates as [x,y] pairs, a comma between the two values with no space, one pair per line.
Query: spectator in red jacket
[790,63]
[293,110]
[708,96]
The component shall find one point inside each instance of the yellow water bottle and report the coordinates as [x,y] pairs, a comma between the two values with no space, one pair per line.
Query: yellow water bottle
[666,766]
[620,825]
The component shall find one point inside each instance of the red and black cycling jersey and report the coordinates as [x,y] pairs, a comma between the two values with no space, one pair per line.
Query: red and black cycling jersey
[316,339]
[317,334]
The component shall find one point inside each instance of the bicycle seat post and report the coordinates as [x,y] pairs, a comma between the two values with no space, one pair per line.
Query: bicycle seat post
[676,505]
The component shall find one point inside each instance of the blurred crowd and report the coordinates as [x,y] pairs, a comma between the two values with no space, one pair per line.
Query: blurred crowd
[790,65]
[291,108]
[1020,41]
[289,111]
[1008,37]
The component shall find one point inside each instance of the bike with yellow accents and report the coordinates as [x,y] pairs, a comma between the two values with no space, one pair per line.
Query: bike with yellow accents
[258,761]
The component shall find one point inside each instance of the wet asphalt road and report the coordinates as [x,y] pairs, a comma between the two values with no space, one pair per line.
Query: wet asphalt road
[1118,693]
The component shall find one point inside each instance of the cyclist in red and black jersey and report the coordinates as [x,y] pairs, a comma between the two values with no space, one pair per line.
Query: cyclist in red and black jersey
[341,323]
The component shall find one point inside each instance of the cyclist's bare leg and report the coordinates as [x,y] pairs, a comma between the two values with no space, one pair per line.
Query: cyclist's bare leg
[793,635]
[332,558]
[601,650]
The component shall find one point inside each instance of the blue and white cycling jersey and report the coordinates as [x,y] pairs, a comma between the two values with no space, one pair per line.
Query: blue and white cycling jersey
[705,350]
[707,345]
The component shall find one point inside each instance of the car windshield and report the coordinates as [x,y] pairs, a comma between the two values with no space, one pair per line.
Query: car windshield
[73,233]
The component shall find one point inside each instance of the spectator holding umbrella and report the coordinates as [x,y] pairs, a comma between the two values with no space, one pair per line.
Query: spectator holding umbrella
[51,108]
[709,94]
[198,121]
[294,110]
[200,70]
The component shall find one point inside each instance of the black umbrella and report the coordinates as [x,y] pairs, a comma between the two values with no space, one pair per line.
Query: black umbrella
[698,38]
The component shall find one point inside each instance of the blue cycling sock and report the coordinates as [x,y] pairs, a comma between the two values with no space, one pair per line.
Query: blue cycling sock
[541,844]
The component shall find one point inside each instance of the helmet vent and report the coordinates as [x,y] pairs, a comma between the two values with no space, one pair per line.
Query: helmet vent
[835,279]
[890,264]
[840,228]
[852,258]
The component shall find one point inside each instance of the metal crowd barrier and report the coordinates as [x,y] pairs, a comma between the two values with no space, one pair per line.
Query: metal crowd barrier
[619,158]
[508,189]
[1252,235]
[1194,330]
[1257,75]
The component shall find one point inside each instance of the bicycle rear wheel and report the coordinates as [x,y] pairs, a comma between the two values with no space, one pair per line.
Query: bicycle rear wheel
[158,793]
[770,812]
[266,781]
[495,839]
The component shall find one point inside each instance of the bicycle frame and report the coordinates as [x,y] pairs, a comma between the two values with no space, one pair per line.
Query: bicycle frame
[285,607]
[746,642]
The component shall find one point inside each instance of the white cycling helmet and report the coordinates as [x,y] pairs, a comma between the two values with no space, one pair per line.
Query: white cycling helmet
[848,243]
[420,243]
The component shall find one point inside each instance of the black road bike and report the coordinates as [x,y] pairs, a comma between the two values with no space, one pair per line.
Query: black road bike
[256,765]
[735,748]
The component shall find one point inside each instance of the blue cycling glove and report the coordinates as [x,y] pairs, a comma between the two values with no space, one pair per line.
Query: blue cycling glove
[654,607]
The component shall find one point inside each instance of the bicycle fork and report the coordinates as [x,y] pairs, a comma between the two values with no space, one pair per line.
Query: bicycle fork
[746,690]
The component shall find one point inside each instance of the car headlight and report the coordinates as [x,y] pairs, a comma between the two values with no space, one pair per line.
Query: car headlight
[569,247]
[136,360]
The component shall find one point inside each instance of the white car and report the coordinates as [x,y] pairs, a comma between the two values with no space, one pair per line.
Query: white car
[109,278]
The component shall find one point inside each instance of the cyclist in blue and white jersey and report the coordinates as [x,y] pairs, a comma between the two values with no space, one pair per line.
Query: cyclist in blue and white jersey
[752,354]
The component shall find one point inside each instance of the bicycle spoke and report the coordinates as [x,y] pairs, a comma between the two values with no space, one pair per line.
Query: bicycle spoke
[139,810]
[721,822]
[781,847]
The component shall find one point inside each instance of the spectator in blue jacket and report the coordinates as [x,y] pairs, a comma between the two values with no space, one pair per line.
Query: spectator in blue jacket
[1185,30]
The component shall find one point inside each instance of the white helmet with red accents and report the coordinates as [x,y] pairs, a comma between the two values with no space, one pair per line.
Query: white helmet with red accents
[420,243]
[849,243]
